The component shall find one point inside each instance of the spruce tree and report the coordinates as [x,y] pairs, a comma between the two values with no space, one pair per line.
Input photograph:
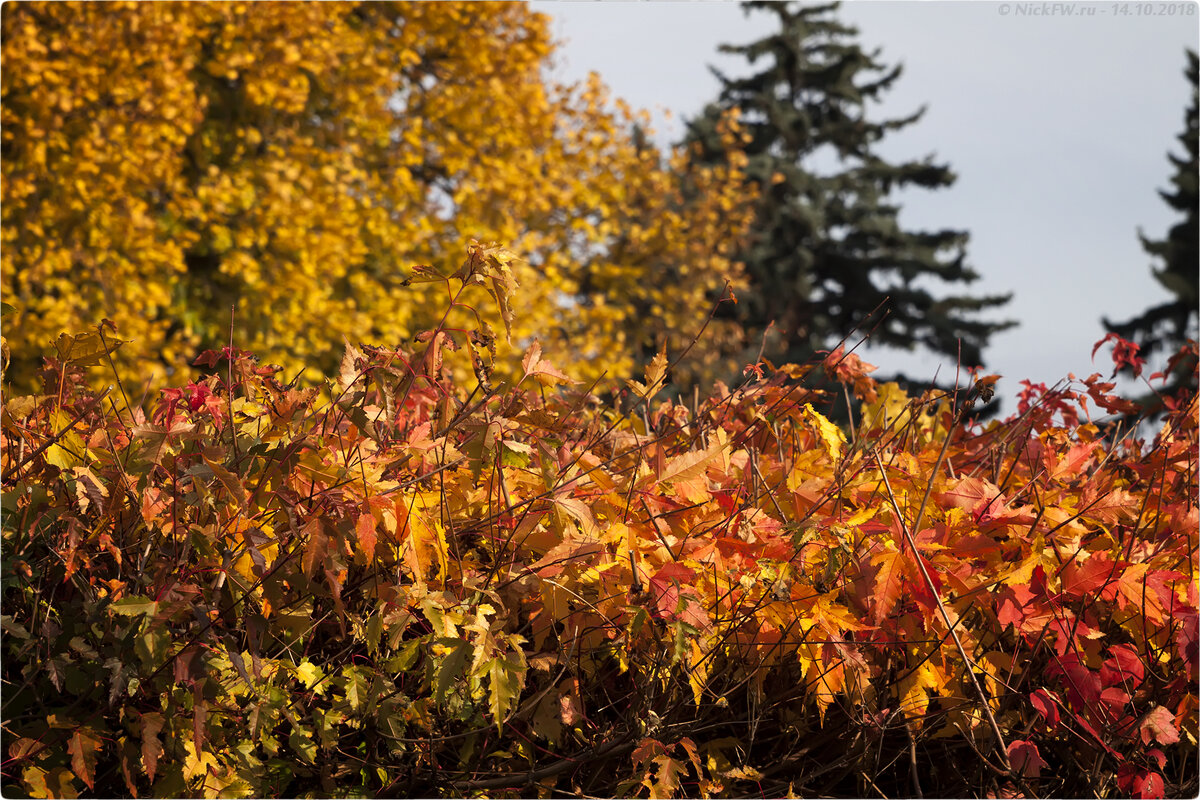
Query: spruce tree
[827,248]
[1161,329]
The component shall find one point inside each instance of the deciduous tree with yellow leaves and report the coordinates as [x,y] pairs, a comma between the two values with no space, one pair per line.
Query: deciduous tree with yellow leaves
[166,162]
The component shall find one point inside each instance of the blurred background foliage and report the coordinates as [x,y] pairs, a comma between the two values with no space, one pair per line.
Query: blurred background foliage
[164,163]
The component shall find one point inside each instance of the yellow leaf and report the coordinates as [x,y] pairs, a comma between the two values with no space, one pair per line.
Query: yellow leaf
[831,435]
[655,377]
[310,673]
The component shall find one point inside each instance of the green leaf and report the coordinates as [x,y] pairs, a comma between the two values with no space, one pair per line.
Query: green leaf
[358,687]
[404,660]
[133,606]
[152,646]
[374,632]
[55,783]
[504,682]
[302,745]
[509,458]
[228,480]
[451,668]
[327,722]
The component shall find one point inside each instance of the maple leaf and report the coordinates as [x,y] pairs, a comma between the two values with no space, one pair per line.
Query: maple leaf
[675,603]
[1082,685]
[1125,354]
[655,376]
[505,679]
[350,371]
[912,691]
[364,529]
[686,474]
[151,724]
[85,744]
[1046,703]
[889,583]
[1137,588]
[830,435]
[580,512]
[89,490]
[86,350]
[1087,578]
[1149,785]
[1109,506]
[1122,668]
[666,781]
[158,438]
[1159,724]
[232,485]
[316,547]
[980,497]
[850,369]
[534,365]
[1025,758]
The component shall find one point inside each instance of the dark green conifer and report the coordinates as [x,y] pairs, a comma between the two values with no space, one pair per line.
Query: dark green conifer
[827,249]
[1163,328]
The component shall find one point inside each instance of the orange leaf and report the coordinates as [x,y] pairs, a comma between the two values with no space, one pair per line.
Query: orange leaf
[152,748]
[367,536]
[316,548]
[542,371]
[83,747]
[889,582]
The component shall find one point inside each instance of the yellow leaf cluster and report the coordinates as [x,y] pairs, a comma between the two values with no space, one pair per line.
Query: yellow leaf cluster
[167,162]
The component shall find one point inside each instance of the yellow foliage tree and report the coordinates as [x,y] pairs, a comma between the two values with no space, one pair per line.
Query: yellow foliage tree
[164,163]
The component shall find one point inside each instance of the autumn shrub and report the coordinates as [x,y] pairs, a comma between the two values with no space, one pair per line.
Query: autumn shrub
[426,586]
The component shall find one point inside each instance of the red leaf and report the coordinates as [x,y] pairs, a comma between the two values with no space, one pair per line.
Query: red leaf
[1072,464]
[1046,704]
[1123,668]
[673,604]
[1098,572]
[1159,724]
[1187,641]
[1082,685]
[1149,784]
[980,497]
[1115,698]
[675,571]
[1025,758]
[1125,354]
[646,750]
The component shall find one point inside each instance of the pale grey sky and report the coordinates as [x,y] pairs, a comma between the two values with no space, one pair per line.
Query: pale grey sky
[1057,125]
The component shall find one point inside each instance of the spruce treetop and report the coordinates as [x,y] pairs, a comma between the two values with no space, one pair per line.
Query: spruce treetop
[827,248]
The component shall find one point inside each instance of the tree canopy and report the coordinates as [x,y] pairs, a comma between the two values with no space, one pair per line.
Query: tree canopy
[166,162]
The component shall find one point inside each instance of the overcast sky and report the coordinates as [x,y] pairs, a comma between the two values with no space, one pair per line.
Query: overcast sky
[1057,125]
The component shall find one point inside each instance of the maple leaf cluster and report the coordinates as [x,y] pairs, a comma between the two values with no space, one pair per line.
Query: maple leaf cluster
[410,583]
